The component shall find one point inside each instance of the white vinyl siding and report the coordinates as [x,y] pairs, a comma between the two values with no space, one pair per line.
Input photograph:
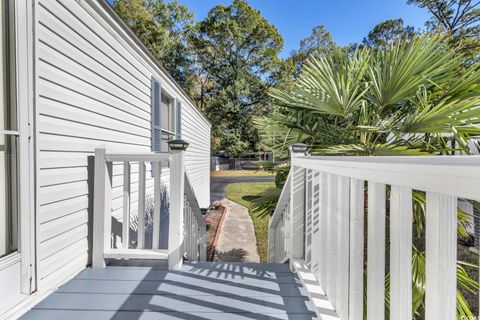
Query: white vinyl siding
[197,156]
[94,91]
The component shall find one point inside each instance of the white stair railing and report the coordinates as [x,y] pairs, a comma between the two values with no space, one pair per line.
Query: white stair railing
[194,227]
[323,207]
[165,195]
[278,234]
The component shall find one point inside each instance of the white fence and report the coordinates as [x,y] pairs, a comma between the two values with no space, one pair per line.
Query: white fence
[173,201]
[319,223]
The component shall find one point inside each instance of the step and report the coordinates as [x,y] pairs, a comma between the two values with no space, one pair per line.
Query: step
[148,254]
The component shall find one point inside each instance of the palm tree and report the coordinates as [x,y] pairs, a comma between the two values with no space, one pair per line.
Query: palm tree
[407,98]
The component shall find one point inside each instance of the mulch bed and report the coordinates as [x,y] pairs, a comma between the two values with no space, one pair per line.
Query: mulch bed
[215,214]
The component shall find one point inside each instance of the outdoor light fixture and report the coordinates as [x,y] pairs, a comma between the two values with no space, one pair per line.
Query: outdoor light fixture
[300,148]
[178,145]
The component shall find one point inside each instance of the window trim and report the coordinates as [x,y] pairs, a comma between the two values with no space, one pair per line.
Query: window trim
[21,93]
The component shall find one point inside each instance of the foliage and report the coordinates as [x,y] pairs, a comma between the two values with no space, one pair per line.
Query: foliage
[238,52]
[458,20]
[405,98]
[317,44]
[388,31]
[164,28]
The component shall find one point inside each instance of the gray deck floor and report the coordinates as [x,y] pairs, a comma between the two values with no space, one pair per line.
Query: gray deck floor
[220,291]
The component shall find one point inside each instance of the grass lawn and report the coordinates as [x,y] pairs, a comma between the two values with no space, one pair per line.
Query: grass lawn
[241,173]
[244,193]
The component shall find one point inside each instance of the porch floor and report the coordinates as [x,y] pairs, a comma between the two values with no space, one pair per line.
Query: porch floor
[218,290]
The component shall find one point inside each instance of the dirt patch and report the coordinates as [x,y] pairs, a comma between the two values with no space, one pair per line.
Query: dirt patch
[215,216]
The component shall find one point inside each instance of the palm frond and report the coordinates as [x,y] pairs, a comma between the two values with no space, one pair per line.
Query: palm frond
[331,85]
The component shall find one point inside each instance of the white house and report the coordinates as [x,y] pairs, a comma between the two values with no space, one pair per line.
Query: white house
[86,113]
[75,78]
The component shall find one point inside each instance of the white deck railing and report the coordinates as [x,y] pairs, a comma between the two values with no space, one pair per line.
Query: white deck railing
[194,227]
[319,224]
[166,196]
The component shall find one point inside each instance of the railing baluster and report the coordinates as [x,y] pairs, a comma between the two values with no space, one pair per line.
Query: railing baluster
[126,205]
[297,213]
[316,236]
[308,215]
[141,205]
[400,253]
[356,249]
[343,230]
[322,214]
[441,257]
[332,236]
[376,251]
[156,167]
[286,226]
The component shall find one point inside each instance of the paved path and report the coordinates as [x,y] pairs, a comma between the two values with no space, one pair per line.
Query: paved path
[218,185]
[237,241]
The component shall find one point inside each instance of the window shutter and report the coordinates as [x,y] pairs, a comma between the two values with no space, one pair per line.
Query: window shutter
[156,116]
[178,120]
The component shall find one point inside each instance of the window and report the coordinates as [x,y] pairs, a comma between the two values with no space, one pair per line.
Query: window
[167,120]
[8,137]
[164,118]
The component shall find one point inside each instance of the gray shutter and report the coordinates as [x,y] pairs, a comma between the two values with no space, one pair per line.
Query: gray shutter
[178,120]
[156,116]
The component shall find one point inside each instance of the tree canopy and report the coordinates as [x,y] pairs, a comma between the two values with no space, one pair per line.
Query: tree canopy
[164,28]
[458,20]
[230,59]
[237,52]
[388,31]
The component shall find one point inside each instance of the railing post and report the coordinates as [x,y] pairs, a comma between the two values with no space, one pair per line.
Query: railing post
[102,203]
[175,233]
[297,205]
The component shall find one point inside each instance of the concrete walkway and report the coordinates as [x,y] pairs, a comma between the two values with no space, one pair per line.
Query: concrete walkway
[237,241]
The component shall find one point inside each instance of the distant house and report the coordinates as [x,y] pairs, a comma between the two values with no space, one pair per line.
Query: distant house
[75,78]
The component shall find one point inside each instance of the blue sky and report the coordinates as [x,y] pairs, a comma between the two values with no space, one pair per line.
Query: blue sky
[348,20]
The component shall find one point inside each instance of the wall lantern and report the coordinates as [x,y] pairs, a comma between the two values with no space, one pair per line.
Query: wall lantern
[178,145]
[300,148]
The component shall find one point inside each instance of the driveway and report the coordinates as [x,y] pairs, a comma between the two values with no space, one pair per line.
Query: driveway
[218,185]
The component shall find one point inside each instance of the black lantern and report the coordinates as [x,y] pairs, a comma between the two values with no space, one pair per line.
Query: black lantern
[178,145]
[300,148]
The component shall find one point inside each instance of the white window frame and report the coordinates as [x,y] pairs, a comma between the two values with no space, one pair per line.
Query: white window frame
[24,98]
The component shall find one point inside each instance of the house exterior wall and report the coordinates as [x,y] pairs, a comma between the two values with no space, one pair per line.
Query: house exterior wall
[93,84]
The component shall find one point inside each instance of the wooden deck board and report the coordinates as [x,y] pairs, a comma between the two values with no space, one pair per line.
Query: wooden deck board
[200,291]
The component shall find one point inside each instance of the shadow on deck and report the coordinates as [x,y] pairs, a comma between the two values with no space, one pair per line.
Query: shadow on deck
[200,291]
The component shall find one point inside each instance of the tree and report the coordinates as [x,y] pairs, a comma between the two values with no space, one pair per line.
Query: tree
[164,28]
[407,98]
[318,43]
[237,53]
[388,31]
[458,20]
